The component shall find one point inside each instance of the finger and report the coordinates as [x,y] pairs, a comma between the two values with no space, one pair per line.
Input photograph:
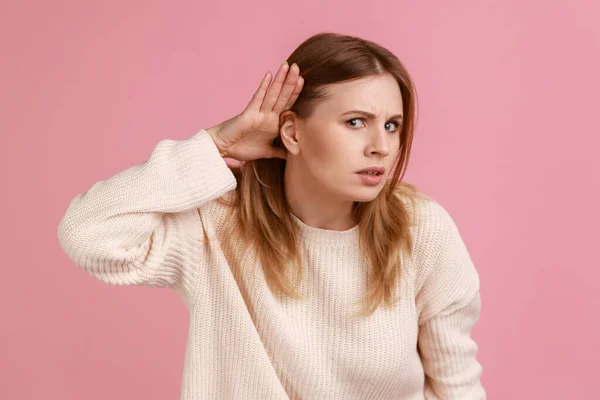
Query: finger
[295,93]
[273,92]
[288,88]
[232,163]
[259,95]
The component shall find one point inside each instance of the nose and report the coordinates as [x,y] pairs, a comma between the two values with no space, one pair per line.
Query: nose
[378,143]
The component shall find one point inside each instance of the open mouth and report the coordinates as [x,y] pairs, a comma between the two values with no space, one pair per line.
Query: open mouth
[370,173]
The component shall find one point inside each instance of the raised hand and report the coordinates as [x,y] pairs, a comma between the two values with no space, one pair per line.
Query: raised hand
[250,134]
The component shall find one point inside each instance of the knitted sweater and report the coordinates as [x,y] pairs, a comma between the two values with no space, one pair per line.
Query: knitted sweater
[156,224]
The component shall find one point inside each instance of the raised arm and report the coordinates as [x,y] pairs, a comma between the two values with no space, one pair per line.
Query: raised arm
[143,226]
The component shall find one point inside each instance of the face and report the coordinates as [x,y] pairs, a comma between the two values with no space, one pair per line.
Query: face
[356,128]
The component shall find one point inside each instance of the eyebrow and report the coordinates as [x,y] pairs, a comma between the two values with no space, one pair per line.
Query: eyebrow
[372,116]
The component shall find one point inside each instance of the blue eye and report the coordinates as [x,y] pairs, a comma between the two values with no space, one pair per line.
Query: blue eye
[396,125]
[354,119]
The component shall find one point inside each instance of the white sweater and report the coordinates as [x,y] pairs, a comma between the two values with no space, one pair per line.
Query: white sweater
[156,224]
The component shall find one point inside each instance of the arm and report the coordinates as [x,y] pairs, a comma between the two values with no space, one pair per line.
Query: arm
[142,226]
[448,354]
[449,303]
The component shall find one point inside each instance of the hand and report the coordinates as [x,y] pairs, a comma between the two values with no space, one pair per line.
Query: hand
[249,135]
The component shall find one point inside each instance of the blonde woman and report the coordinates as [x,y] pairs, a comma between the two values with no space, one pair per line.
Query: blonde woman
[311,271]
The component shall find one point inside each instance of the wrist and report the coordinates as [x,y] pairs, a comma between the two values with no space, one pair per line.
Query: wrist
[213,132]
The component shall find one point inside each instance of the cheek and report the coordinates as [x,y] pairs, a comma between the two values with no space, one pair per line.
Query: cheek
[392,158]
[323,151]
[394,147]
[316,150]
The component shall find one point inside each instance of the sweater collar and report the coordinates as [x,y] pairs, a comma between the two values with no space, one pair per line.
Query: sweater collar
[326,236]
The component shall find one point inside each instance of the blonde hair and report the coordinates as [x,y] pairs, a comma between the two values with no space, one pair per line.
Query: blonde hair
[262,211]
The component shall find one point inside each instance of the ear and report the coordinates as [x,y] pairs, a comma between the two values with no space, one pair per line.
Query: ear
[289,131]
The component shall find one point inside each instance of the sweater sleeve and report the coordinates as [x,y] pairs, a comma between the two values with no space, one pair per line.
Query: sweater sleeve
[142,225]
[448,354]
[448,301]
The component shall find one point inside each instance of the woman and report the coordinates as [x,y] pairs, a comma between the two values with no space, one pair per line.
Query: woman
[311,271]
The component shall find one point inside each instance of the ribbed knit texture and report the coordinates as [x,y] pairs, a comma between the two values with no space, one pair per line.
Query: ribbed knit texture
[156,224]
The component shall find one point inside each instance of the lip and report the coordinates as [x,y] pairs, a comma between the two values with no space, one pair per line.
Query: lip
[372,180]
[379,170]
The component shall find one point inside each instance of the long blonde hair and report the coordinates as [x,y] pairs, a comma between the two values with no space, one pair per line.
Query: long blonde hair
[262,210]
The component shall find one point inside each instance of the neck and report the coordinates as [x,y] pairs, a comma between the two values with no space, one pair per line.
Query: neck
[313,204]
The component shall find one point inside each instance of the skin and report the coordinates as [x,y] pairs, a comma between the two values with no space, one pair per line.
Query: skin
[326,150]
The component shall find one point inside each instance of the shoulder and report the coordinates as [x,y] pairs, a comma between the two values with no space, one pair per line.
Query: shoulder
[444,274]
[426,215]
[430,221]
[219,217]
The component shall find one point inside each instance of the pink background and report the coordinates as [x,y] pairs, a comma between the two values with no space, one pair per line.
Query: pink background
[507,141]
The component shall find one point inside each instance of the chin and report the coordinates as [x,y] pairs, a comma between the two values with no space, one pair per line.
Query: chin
[366,194]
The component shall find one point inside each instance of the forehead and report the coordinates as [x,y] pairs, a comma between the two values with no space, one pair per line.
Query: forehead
[374,94]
